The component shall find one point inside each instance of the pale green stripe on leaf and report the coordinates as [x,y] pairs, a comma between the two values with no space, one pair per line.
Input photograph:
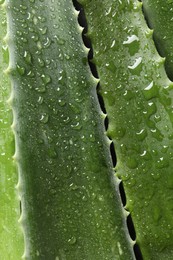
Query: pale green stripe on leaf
[11,237]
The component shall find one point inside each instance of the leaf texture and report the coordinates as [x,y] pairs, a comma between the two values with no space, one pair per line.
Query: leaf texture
[71,208]
[138,100]
[11,237]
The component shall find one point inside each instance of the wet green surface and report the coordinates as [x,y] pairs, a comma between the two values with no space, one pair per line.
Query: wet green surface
[70,202]
[138,100]
[159,15]
[11,237]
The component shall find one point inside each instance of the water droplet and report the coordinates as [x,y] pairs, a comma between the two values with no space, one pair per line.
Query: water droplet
[117,133]
[39,45]
[113,44]
[61,102]
[92,138]
[66,120]
[84,198]
[108,11]
[131,39]
[151,108]
[35,20]
[131,182]
[27,57]
[41,89]
[136,63]
[141,135]
[73,187]
[46,79]
[43,30]
[21,70]
[119,248]
[76,126]
[157,134]
[164,149]
[47,43]
[44,118]
[59,40]
[128,94]
[162,163]
[72,240]
[67,56]
[150,91]
[157,118]
[41,62]
[146,155]
[132,163]
[40,100]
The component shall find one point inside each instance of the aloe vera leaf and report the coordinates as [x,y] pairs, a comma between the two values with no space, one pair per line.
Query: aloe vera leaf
[138,100]
[159,15]
[71,207]
[11,237]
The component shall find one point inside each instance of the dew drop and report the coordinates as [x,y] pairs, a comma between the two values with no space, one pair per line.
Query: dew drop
[44,118]
[41,89]
[21,70]
[84,198]
[41,62]
[117,133]
[76,126]
[136,64]
[131,39]
[47,43]
[67,56]
[61,102]
[46,79]
[146,155]
[73,187]
[142,134]
[39,45]
[72,240]
[150,91]
[35,20]
[132,163]
[59,40]
[162,163]
[40,100]
[43,30]
[27,57]
[113,44]
[92,138]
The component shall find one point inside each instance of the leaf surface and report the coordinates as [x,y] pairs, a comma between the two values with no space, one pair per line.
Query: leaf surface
[11,237]
[159,15]
[71,207]
[138,100]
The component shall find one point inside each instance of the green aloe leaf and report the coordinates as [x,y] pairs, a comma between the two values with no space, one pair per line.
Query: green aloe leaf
[11,237]
[138,100]
[69,191]
[71,208]
[159,15]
